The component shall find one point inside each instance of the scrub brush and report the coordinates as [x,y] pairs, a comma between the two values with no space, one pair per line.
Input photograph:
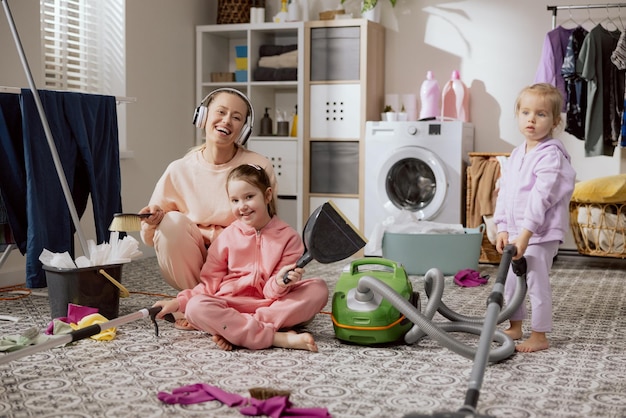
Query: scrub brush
[263,394]
[127,222]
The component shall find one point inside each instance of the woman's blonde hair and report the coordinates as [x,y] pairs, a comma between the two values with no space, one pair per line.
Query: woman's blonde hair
[551,94]
[256,176]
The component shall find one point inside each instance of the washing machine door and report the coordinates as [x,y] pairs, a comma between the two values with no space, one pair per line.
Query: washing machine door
[412,178]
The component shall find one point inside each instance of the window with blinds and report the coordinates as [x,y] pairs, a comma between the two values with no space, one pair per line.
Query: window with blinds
[83,44]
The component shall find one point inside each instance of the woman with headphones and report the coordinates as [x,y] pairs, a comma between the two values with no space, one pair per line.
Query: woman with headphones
[189,206]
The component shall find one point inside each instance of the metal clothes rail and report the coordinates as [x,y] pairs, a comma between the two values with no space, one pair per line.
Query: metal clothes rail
[17,90]
[555,9]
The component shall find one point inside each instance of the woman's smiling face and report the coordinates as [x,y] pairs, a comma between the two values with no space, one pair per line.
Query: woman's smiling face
[227,114]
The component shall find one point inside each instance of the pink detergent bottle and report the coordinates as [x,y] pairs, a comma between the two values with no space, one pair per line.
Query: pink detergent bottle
[430,95]
[455,99]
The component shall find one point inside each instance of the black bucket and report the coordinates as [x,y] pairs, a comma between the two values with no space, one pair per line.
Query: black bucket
[84,286]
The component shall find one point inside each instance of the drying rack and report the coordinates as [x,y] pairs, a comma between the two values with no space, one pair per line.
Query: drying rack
[555,9]
[48,133]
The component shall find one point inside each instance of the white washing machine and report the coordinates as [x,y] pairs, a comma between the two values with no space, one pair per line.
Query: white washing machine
[416,166]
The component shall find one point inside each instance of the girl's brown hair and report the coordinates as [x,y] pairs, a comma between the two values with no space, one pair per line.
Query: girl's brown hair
[550,93]
[256,176]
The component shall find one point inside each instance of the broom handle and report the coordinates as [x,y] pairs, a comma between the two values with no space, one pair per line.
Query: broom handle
[79,334]
[46,128]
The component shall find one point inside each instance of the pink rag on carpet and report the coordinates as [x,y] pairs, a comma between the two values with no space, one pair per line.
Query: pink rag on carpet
[275,407]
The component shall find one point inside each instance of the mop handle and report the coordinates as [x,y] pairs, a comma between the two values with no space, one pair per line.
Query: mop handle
[79,334]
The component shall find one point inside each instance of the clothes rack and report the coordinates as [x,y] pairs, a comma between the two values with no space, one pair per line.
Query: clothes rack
[555,9]
[48,134]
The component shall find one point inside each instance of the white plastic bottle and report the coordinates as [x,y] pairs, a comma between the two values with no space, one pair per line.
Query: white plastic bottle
[455,99]
[430,95]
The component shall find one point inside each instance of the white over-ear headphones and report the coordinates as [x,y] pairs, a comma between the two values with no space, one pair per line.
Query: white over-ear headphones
[201,114]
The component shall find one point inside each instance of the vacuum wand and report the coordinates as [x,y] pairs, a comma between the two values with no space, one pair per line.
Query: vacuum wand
[495,301]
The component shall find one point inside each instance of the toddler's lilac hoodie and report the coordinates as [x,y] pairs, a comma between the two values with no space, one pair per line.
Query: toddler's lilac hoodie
[535,190]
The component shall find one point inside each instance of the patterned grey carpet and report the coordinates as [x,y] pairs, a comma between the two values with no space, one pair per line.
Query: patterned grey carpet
[583,374]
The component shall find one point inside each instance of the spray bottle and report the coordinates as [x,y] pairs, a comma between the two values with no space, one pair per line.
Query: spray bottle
[429,96]
[455,99]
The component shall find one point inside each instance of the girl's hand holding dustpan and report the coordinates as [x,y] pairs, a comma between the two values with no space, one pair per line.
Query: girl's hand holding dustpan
[292,273]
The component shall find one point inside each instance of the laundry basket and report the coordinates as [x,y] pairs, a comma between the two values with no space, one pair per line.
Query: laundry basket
[484,186]
[599,229]
[598,216]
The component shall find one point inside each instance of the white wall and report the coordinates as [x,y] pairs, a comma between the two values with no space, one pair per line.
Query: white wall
[496,45]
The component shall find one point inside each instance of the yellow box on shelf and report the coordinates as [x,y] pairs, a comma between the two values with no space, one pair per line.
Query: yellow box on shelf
[241,63]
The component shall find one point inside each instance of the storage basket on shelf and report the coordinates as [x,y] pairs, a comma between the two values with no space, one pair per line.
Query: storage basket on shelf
[482,174]
[233,11]
[598,216]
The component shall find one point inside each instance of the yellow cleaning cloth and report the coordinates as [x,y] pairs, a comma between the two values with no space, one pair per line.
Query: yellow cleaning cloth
[96,318]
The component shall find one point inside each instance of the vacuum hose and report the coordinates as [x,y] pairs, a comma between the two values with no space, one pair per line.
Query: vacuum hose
[434,284]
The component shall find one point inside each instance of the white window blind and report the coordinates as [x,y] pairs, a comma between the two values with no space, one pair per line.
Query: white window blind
[83,43]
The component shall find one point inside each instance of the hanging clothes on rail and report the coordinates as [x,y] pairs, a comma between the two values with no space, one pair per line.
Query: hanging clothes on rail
[552,55]
[575,86]
[605,91]
[618,57]
[84,128]
[12,172]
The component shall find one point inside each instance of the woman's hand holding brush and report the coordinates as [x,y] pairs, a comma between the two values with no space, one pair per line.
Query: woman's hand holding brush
[154,214]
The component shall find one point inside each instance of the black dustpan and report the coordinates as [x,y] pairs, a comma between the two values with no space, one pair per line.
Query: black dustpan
[328,237]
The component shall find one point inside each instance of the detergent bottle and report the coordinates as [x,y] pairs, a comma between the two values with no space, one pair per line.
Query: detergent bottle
[429,96]
[283,15]
[455,99]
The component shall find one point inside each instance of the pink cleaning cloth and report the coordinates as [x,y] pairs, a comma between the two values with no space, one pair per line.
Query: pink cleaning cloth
[275,407]
[74,314]
[470,278]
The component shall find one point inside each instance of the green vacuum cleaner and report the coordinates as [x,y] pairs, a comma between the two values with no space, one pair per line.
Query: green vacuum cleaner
[369,318]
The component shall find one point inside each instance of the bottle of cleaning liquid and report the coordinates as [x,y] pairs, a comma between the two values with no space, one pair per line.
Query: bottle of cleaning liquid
[429,96]
[294,123]
[266,124]
[455,99]
[283,15]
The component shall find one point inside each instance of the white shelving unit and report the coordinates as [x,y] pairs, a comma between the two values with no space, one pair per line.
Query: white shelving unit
[215,53]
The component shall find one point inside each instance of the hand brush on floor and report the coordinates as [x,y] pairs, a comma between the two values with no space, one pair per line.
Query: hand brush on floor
[127,222]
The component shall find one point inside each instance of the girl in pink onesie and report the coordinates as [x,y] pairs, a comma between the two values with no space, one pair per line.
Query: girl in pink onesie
[241,299]
[189,204]
[532,207]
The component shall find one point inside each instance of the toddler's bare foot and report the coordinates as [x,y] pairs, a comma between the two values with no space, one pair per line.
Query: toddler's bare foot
[515,334]
[514,330]
[536,342]
[291,339]
[222,343]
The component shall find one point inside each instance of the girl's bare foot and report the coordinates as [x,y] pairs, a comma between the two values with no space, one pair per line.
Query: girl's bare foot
[536,342]
[514,330]
[291,339]
[222,342]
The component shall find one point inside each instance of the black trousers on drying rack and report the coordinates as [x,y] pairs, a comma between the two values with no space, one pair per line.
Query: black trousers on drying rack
[84,128]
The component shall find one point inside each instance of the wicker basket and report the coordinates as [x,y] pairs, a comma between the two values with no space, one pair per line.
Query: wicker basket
[233,11]
[330,14]
[599,229]
[488,252]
